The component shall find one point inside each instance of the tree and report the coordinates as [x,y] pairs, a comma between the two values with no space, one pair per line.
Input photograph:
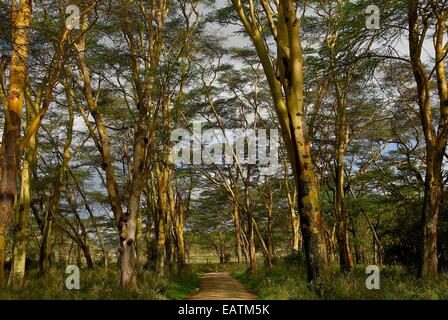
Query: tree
[286,86]
[21,19]
[420,15]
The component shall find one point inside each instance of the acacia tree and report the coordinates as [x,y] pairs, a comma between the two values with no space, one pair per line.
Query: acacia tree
[247,109]
[285,78]
[149,49]
[53,204]
[422,16]
[38,94]
[21,214]
[21,19]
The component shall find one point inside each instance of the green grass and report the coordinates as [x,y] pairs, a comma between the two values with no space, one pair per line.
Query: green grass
[286,281]
[181,286]
[97,284]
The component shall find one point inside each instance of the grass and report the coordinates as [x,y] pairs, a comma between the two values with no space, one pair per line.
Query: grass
[181,286]
[287,281]
[97,284]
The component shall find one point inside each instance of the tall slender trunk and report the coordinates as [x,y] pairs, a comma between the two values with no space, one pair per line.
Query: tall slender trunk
[162,208]
[102,142]
[286,86]
[430,217]
[296,234]
[331,243]
[294,217]
[180,240]
[53,206]
[269,244]
[21,20]
[160,245]
[237,228]
[169,243]
[250,231]
[251,240]
[435,138]
[345,256]
[357,247]
[341,133]
[20,219]
[88,256]
[128,222]
[139,246]
[80,232]
[177,218]
[93,220]
[308,200]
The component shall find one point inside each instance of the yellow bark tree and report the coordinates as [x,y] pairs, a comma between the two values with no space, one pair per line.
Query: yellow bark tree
[21,19]
[285,78]
[435,134]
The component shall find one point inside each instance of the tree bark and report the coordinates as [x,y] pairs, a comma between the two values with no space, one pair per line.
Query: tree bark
[436,139]
[269,244]
[345,256]
[53,206]
[21,20]
[177,217]
[237,228]
[291,74]
[20,220]
[286,86]
[93,220]
[294,217]
[162,209]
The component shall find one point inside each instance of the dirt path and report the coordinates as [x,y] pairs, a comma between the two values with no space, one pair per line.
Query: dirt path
[221,286]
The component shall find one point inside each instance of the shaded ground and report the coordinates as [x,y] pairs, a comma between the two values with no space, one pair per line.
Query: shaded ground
[221,286]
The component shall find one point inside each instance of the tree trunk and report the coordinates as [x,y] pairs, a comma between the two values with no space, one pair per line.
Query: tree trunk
[160,248]
[251,239]
[296,234]
[341,133]
[53,206]
[295,219]
[139,178]
[169,243]
[330,235]
[180,243]
[286,86]
[20,221]
[269,244]
[162,208]
[102,142]
[435,138]
[21,19]
[139,246]
[430,218]
[237,228]
[92,219]
[178,215]
[345,256]
[308,201]
[86,252]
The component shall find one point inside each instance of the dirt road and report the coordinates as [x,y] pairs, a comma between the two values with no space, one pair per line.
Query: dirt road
[221,286]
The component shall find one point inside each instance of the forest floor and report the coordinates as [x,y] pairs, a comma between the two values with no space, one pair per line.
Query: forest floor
[221,286]
[286,280]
